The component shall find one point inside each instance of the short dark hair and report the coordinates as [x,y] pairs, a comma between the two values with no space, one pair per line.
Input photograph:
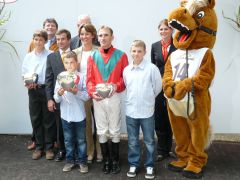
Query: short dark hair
[106,27]
[41,33]
[50,20]
[71,54]
[89,28]
[65,31]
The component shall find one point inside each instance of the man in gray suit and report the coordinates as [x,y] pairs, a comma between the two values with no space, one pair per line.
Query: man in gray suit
[54,67]
[75,41]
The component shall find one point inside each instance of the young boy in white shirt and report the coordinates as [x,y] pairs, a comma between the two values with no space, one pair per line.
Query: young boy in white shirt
[73,116]
[143,83]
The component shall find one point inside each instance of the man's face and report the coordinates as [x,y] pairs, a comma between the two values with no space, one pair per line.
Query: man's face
[105,38]
[62,42]
[51,28]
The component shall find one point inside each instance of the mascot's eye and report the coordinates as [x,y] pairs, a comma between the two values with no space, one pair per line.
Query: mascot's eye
[200,14]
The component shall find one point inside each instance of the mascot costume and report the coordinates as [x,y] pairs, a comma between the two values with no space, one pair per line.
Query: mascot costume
[189,72]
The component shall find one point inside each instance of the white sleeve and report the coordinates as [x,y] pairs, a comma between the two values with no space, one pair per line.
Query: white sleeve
[157,80]
[56,96]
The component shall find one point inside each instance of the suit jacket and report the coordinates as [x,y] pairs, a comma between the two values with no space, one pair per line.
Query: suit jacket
[54,67]
[157,57]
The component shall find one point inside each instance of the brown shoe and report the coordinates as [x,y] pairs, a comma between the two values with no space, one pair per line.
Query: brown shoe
[31,146]
[37,154]
[49,154]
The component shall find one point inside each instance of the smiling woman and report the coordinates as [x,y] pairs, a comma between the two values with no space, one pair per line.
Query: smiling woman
[3,19]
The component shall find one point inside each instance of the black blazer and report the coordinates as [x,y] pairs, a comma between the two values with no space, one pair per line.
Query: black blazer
[54,67]
[157,57]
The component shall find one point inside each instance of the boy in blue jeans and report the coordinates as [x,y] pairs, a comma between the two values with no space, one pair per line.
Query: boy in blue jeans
[73,116]
[143,83]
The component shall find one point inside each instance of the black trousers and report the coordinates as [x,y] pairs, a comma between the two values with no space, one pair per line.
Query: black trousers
[42,120]
[59,137]
[162,125]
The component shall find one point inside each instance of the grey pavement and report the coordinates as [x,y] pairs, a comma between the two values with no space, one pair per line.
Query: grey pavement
[16,164]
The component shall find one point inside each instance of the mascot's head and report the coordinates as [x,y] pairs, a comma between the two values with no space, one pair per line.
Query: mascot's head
[196,24]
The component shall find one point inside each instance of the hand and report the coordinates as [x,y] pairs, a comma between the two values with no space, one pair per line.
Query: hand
[73,90]
[114,88]
[31,86]
[97,97]
[61,91]
[51,105]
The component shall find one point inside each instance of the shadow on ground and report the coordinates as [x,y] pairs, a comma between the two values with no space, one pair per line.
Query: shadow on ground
[16,164]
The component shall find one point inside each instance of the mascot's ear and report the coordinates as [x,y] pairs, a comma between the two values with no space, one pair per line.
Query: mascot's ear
[211,3]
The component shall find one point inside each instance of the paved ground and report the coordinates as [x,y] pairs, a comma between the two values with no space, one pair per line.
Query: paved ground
[16,164]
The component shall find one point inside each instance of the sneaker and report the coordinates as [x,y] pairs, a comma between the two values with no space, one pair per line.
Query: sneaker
[68,167]
[150,173]
[37,154]
[83,168]
[132,172]
[49,154]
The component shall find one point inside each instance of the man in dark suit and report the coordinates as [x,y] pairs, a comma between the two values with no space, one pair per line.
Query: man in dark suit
[160,52]
[75,41]
[54,67]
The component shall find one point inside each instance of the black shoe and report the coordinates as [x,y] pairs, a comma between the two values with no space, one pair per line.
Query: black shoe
[192,175]
[115,167]
[107,167]
[60,156]
[161,157]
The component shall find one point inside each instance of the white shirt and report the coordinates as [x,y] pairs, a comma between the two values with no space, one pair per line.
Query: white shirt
[36,63]
[143,84]
[84,60]
[72,105]
[49,42]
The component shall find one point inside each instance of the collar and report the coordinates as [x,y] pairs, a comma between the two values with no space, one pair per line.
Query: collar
[61,51]
[141,66]
[111,49]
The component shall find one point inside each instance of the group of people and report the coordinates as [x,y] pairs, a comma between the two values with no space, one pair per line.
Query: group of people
[78,120]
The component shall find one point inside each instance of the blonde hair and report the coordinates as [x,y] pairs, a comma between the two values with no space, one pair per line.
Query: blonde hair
[139,43]
[71,54]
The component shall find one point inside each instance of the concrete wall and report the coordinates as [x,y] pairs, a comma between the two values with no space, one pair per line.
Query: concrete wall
[130,19]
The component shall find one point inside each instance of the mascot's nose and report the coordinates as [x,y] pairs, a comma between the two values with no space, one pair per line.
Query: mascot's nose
[185,11]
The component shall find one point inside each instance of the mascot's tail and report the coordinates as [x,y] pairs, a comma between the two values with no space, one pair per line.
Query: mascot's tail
[209,137]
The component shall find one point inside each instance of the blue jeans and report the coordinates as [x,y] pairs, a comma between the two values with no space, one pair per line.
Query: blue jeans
[75,140]
[134,152]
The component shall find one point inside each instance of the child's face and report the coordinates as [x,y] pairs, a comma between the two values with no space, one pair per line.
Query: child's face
[137,54]
[39,42]
[70,64]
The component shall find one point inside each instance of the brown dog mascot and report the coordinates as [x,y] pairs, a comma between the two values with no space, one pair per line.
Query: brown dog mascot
[189,72]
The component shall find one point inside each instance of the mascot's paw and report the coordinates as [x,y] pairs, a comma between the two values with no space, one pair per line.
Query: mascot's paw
[180,91]
[177,166]
[168,92]
[192,175]
[192,172]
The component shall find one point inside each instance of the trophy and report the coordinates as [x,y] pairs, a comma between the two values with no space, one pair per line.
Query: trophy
[104,90]
[68,80]
[30,78]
